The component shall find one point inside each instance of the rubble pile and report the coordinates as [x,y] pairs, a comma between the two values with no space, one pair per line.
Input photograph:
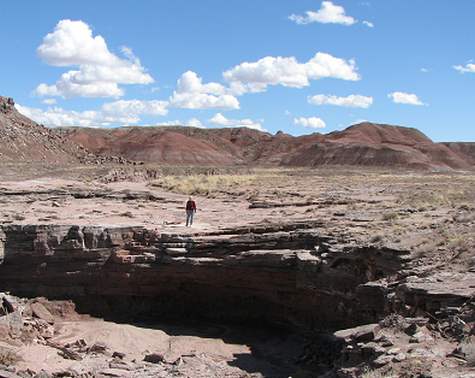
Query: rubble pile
[26,324]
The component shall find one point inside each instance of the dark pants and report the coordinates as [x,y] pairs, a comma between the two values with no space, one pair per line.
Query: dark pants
[189,217]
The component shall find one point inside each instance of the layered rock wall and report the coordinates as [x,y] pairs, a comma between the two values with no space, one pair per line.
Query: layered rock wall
[289,275]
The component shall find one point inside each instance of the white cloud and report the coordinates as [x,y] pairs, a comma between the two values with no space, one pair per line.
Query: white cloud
[288,72]
[191,93]
[313,122]
[99,72]
[72,43]
[351,101]
[59,117]
[405,98]
[328,13]
[469,67]
[68,89]
[49,101]
[369,24]
[135,108]
[112,113]
[424,70]
[192,122]
[221,120]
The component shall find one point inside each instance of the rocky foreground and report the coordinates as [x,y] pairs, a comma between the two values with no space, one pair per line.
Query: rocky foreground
[358,275]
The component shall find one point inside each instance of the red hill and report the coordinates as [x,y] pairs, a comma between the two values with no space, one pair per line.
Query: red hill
[365,144]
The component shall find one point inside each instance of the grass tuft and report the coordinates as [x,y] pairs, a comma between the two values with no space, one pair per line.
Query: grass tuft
[205,185]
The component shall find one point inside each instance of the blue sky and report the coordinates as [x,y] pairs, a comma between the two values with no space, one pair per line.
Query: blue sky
[261,64]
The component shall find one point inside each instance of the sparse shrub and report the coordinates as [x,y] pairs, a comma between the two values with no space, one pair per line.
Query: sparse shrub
[8,357]
[390,216]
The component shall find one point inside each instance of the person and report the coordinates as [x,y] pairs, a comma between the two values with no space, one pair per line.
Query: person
[190,211]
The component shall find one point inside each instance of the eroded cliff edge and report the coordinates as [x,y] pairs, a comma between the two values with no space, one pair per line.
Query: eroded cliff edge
[291,275]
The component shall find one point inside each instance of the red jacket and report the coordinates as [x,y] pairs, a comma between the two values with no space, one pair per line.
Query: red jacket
[191,205]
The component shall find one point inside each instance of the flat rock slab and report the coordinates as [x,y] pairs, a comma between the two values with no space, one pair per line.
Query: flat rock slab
[364,333]
[460,285]
[41,312]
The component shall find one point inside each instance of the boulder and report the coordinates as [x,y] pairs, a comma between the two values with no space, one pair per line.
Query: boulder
[41,312]
[361,334]
[154,358]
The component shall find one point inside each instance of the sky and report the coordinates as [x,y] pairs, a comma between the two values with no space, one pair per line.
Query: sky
[297,66]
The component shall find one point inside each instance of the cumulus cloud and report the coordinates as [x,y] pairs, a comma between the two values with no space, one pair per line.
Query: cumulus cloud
[351,101]
[405,98]
[369,24]
[191,93]
[49,101]
[288,72]
[99,72]
[112,113]
[312,122]
[328,13]
[221,120]
[192,122]
[135,108]
[468,68]
[56,116]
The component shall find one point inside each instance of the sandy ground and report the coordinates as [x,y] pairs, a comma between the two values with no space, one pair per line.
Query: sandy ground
[132,340]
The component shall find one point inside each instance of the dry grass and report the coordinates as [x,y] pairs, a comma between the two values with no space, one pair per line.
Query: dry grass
[206,185]
[452,197]
[391,216]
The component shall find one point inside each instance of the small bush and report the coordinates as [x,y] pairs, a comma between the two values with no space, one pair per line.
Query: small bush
[8,357]
[390,216]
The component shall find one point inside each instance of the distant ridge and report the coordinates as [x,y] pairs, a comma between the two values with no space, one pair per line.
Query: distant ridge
[464,149]
[364,144]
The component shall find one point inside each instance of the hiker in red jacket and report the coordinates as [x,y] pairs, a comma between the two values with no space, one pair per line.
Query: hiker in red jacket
[190,211]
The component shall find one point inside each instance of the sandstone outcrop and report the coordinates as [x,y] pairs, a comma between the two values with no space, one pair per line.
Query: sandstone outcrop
[289,275]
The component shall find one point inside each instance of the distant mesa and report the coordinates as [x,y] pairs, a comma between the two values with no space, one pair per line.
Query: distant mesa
[365,144]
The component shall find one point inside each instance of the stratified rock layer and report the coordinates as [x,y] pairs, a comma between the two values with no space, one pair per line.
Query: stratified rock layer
[289,275]
[364,144]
